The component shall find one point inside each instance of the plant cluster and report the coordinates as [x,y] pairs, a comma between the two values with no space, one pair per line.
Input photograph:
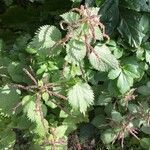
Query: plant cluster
[85,70]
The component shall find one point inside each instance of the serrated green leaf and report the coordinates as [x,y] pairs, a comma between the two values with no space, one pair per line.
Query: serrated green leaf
[76,51]
[42,128]
[130,28]
[81,96]
[29,104]
[43,42]
[70,17]
[101,58]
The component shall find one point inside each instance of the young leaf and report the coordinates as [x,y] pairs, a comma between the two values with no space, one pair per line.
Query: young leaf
[101,58]
[81,96]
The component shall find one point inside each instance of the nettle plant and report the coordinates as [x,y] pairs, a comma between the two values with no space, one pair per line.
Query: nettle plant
[75,74]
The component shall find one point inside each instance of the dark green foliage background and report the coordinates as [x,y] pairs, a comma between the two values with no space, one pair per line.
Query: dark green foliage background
[128,25]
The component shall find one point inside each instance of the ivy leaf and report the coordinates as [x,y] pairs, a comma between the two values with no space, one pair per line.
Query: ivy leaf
[101,58]
[81,96]
[70,17]
[76,51]
[130,27]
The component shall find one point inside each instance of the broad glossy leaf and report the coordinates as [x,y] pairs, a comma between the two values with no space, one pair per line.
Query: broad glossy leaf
[132,70]
[130,27]
[138,5]
[101,58]
[109,12]
[81,96]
